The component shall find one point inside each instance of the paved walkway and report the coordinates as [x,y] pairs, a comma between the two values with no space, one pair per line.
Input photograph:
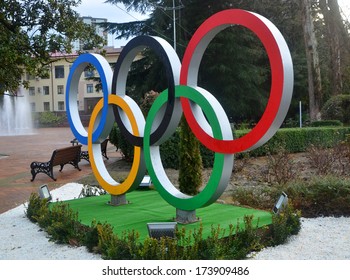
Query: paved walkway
[16,154]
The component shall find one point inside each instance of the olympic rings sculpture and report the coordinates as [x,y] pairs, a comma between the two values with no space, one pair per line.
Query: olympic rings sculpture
[203,112]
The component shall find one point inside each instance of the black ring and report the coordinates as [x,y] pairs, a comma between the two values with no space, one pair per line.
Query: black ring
[127,55]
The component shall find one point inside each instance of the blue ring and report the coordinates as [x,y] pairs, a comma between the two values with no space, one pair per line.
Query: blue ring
[74,75]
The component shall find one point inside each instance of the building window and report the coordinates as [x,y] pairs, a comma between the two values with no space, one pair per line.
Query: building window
[89,73]
[30,77]
[59,89]
[89,88]
[32,91]
[46,106]
[59,72]
[32,106]
[46,90]
[60,105]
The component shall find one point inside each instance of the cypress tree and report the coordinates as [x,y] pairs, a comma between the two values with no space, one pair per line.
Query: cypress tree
[190,172]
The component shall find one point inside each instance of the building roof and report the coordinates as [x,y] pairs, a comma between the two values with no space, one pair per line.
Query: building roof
[107,49]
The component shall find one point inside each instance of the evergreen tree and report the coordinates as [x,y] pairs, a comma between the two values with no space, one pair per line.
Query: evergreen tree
[190,171]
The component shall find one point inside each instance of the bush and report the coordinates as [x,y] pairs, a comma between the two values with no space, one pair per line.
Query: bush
[280,166]
[294,140]
[120,142]
[297,140]
[48,119]
[326,123]
[63,226]
[337,108]
[60,222]
[285,224]
[319,196]
[169,150]
[36,208]
[190,173]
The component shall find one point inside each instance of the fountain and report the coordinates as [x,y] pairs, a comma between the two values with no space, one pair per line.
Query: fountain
[15,115]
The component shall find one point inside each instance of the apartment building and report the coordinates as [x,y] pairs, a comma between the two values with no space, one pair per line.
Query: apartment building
[48,93]
[78,44]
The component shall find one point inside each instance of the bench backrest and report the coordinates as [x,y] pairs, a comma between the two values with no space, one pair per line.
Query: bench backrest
[65,155]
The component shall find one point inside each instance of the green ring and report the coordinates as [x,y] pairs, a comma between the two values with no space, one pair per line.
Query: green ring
[155,168]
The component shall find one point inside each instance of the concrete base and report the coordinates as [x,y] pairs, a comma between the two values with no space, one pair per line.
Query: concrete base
[186,217]
[117,200]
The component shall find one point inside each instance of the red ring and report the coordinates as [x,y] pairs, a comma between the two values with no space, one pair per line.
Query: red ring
[255,24]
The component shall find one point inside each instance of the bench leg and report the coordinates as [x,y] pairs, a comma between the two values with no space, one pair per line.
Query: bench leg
[104,153]
[85,155]
[41,167]
[74,163]
[33,175]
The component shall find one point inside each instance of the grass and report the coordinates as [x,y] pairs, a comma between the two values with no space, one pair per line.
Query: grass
[148,206]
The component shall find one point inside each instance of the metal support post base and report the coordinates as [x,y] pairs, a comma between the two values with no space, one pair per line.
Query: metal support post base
[186,217]
[117,200]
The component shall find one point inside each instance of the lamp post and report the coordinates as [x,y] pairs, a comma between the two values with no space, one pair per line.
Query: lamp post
[174,25]
[173,8]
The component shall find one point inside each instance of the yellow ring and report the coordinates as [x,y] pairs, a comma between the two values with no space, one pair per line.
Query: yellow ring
[99,170]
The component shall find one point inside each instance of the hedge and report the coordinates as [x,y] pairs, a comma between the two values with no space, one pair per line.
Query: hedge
[294,140]
[326,123]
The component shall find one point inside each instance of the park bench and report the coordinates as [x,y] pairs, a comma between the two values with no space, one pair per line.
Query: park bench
[60,157]
[85,154]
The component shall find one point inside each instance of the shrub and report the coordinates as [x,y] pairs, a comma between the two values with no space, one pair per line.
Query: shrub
[190,173]
[169,150]
[36,208]
[299,139]
[337,108]
[114,248]
[285,224]
[326,123]
[319,196]
[90,239]
[259,198]
[335,160]
[295,140]
[60,222]
[280,166]
[120,142]
[49,118]
[63,226]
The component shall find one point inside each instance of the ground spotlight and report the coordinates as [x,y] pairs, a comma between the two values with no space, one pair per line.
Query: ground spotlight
[44,192]
[158,230]
[146,181]
[281,202]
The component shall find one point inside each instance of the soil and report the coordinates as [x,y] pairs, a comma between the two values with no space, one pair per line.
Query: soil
[247,172]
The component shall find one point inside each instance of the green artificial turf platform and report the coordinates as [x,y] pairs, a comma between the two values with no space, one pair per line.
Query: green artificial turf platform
[148,206]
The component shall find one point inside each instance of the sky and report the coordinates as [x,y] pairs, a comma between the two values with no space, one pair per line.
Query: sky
[99,9]
[345,6]
[113,13]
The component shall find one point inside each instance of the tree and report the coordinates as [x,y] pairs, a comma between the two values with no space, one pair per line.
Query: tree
[338,42]
[313,63]
[31,30]
[190,171]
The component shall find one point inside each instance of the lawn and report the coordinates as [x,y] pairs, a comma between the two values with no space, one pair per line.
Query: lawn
[148,206]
